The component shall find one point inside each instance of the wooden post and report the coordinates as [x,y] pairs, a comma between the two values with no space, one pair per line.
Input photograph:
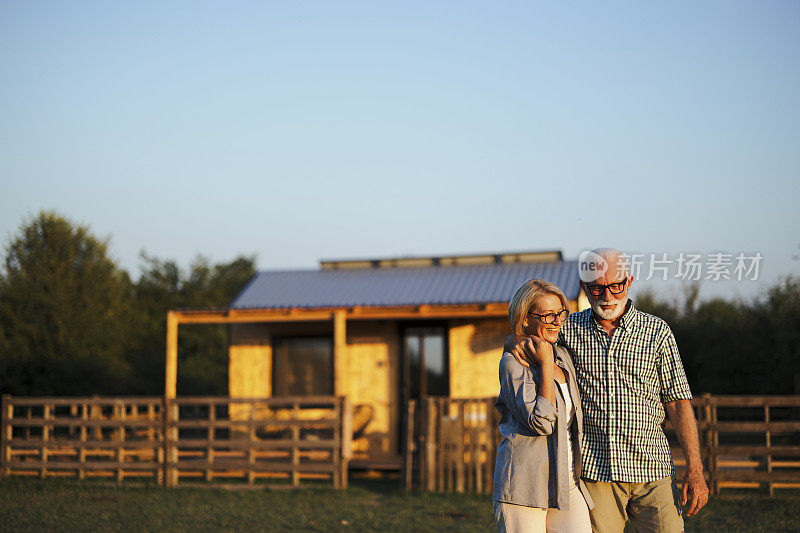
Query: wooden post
[491,442]
[119,411]
[73,414]
[458,433]
[170,443]
[170,408]
[712,441]
[443,455]
[45,438]
[422,446]
[210,435]
[295,454]
[346,441]
[96,413]
[408,456]
[430,444]
[251,449]
[708,440]
[171,371]
[714,416]
[151,417]
[5,434]
[475,447]
[161,436]
[768,458]
[84,432]
[339,355]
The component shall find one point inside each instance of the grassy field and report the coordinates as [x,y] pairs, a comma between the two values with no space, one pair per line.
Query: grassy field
[56,505]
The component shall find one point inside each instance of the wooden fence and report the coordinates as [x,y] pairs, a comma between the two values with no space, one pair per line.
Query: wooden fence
[746,441]
[238,442]
[451,445]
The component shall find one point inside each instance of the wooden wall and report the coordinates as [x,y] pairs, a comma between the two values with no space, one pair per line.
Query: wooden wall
[250,362]
[371,381]
[475,350]
[370,378]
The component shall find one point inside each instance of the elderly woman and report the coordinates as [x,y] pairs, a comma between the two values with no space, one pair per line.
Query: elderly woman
[537,484]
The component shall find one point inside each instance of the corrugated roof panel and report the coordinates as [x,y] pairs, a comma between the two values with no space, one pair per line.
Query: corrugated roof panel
[407,286]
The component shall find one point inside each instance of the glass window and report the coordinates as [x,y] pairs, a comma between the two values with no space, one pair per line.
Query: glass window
[302,366]
[426,351]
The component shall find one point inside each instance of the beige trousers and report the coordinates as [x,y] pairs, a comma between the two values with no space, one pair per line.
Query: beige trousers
[512,518]
[652,507]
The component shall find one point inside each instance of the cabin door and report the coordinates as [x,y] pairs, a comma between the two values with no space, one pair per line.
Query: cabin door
[425,362]
[425,373]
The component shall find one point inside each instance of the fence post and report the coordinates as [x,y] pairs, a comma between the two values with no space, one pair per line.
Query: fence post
[422,446]
[442,449]
[430,444]
[710,415]
[768,458]
[491,441]
[119,434]
[476,469]
[170,457]
[408,456]
[5,433]
[458,433]
[347,441]
[44,450]
[250,454]
[84,436]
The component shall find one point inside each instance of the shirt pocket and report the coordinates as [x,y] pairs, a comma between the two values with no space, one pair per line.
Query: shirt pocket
[639,371]
[526,389]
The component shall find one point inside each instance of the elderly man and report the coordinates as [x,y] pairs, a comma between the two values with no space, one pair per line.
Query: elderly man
[629,374]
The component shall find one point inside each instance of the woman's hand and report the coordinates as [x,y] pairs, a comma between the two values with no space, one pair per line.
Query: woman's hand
[542,352]
[526,350]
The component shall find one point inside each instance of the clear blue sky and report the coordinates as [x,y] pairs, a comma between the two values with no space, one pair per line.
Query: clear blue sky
[304,130]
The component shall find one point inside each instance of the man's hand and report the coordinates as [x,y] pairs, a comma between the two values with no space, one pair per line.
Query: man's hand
[522,348]
[695,491]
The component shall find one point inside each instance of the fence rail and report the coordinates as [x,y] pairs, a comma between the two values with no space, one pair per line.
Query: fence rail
[746,442]
[281,441]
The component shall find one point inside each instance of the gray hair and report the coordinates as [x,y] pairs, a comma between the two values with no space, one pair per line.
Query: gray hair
[608,253]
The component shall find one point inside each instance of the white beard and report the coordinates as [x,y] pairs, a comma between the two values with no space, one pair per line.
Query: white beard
[611,314]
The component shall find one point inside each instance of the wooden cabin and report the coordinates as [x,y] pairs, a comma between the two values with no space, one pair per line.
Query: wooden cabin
[380,331]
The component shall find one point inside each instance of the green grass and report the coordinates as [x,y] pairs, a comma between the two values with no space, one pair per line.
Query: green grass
[67,505]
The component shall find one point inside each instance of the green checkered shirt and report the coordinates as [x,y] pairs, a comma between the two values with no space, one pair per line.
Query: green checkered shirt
[624,382]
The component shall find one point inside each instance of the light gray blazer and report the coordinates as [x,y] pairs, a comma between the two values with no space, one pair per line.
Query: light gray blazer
[531,467]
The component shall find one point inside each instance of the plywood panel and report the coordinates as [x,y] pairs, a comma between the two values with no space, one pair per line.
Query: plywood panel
[475,351]
[249,371]
[371,384]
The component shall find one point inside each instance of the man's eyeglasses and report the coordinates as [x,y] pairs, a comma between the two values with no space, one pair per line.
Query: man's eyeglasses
[550,318]
[613,288]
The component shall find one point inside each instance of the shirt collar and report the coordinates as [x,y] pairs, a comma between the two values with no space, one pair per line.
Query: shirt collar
[630,315]
[557,353]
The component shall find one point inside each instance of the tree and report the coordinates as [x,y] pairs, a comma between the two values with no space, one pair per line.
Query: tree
[202,350]
[65,312]
[737,347]
[780,310]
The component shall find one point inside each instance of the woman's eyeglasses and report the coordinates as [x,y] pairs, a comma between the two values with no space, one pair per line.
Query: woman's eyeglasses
[550,318]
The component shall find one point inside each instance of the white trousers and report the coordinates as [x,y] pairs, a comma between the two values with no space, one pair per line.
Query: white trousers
[512,518]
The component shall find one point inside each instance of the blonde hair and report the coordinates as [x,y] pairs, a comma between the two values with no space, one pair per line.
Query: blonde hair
[524,298]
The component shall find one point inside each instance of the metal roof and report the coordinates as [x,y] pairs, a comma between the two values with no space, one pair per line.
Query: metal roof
[383,287]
